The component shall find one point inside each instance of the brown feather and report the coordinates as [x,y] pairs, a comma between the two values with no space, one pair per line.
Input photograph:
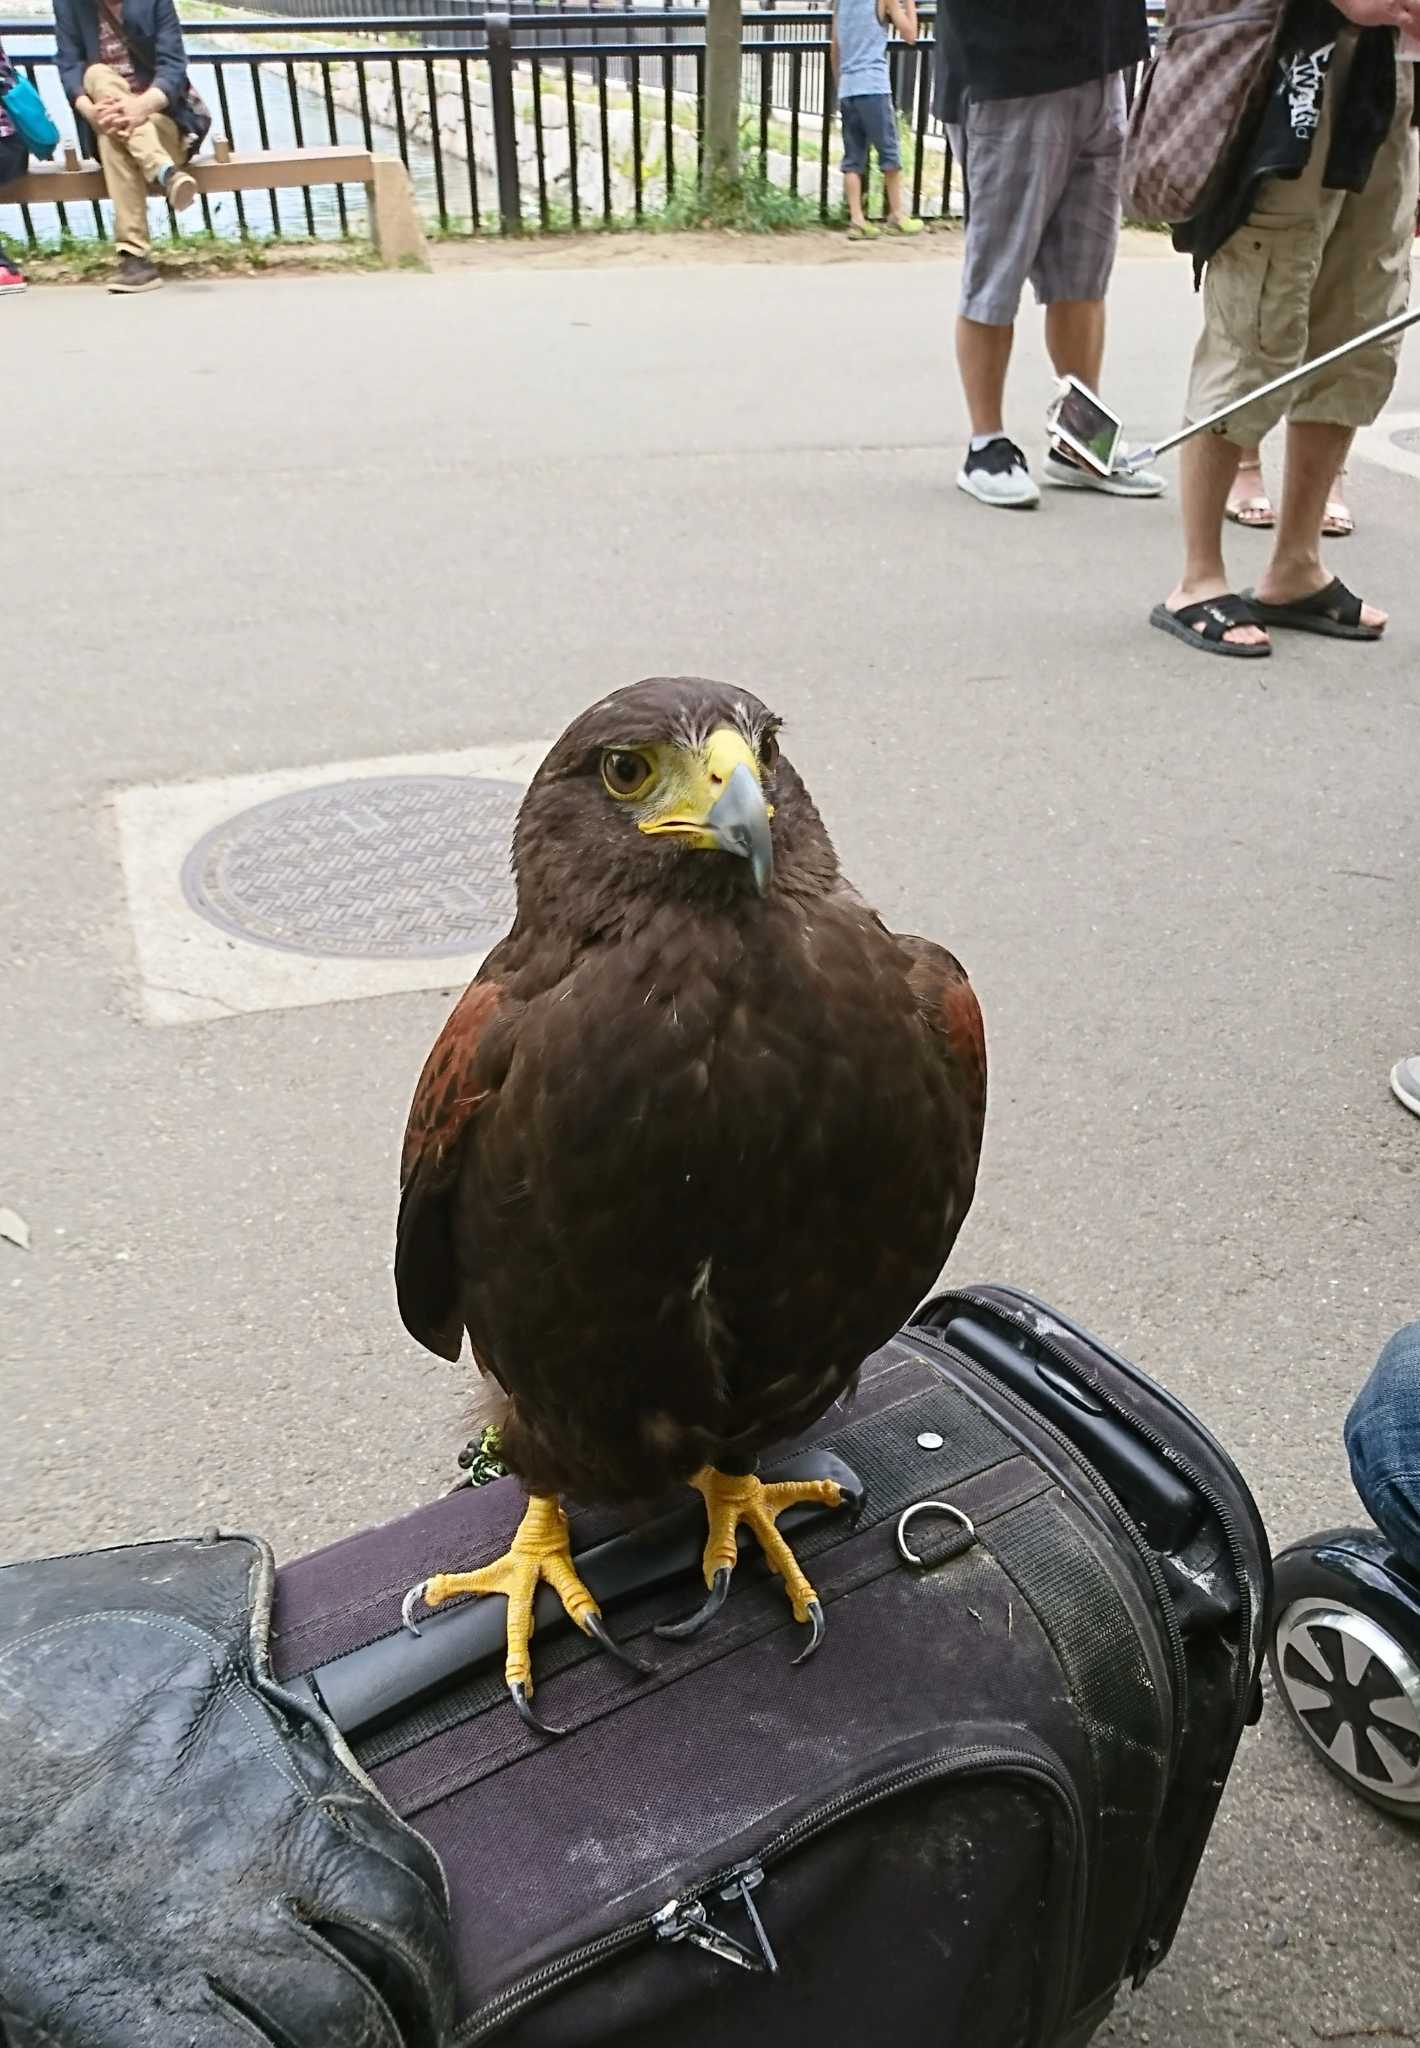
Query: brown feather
[448,1096]
[682,1157]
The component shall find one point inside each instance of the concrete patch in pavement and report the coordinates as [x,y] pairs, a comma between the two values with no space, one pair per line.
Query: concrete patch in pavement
[396,880]
[1393,442]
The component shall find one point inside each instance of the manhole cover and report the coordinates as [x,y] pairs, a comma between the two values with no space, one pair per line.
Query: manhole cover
[409,866]
[1408,439]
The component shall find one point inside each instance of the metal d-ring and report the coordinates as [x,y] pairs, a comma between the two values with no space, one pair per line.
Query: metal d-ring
[922,1507]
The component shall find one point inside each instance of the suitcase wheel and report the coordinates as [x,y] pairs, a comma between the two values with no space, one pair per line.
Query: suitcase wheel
[1345,1657]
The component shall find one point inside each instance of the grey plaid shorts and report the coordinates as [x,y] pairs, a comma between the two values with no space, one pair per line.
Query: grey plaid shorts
[1042,180]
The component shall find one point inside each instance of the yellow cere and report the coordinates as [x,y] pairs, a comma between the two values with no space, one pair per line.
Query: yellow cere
[683,787]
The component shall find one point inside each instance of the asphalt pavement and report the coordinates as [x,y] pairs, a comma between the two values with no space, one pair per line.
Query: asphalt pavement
[258,526]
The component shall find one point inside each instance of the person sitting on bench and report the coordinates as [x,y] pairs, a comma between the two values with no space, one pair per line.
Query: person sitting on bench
[123,65]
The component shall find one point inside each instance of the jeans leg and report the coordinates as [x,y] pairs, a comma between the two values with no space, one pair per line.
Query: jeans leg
[14,161]
[1383,1442]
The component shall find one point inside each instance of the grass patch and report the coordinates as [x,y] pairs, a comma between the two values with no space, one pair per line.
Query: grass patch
[75,260]
[190,11]
[755,206]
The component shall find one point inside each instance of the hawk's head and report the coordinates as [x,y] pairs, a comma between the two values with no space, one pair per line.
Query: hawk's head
[674,784]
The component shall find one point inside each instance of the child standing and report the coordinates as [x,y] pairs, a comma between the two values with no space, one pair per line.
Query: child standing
[861,31]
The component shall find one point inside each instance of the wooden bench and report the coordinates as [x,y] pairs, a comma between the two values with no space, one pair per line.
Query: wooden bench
[394,224]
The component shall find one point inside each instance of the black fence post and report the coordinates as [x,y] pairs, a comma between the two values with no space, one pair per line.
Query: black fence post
[505,120]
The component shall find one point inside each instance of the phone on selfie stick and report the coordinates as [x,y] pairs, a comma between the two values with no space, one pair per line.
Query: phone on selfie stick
[1084,424]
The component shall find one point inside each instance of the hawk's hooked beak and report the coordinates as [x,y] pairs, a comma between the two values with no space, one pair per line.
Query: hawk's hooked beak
[722,805]
[740,822]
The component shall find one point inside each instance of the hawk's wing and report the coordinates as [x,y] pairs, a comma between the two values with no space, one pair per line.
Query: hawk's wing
[461,1076]
[948,1001]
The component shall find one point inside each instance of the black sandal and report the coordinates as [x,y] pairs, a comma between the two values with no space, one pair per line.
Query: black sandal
[1218,615]
[1335,611]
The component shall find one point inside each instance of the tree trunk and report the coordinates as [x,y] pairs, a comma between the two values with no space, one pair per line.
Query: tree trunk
[722,99]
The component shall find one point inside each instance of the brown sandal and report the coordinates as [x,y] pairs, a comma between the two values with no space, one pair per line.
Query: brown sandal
[1257,511]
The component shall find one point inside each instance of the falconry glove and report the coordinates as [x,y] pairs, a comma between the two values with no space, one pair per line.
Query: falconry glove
[185,1855]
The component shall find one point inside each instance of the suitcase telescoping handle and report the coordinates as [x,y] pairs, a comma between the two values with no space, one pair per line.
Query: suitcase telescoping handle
[1160,1500]
[369,1688]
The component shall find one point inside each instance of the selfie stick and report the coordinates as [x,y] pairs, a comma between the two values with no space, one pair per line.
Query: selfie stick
[1142,456]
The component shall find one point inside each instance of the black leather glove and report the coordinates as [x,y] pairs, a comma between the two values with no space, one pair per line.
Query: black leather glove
[187,1860]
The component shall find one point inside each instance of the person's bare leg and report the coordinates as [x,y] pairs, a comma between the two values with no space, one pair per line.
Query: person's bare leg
[853,194]
[1249,489]
[1206,467]
[1074,336]
[892,187]
[1337,522]
[1314,454]
[983,355]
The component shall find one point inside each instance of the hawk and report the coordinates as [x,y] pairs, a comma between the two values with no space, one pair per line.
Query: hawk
[691,1146]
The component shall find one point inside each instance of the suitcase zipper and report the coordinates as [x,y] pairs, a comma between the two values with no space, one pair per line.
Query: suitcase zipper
[686,1918]
[1150,1947]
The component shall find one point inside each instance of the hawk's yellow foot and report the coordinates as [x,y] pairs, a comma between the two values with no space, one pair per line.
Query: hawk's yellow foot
[539,1554]
[731,1498]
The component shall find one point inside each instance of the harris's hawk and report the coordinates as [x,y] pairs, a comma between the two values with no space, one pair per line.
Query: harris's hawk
[692,1145]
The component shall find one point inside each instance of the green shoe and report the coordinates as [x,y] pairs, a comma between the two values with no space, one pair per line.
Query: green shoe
[909,226]
[866,233]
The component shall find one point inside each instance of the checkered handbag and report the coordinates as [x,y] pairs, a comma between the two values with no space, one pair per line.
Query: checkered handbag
[1204,83]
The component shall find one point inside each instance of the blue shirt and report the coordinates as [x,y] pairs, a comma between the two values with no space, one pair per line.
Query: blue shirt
[862,49]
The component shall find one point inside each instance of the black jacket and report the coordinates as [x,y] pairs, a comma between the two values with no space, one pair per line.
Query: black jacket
[155,45]
[1017,49]
[1278,142]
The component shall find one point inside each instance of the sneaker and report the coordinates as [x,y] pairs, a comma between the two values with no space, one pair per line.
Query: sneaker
[997,475]
[1064,469]
[1405,1080]
[10,279]
[135,274]
[179,188]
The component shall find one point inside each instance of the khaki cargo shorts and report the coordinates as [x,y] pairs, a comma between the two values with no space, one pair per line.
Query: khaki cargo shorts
[1309,269]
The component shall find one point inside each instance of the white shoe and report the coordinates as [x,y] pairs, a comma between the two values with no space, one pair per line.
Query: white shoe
[1405,1080]
[1070,474]
[997,475]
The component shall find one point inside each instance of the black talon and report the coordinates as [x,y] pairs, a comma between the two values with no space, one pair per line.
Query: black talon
[816,1624]
[518,1693]
[595,1627]
[678,1631]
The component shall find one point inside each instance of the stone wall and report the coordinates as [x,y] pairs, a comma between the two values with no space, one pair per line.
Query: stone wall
[556,136]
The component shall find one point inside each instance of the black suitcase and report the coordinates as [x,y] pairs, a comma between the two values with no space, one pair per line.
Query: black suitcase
[965,1823]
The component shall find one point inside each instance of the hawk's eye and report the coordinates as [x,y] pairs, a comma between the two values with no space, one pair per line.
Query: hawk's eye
[626,773]
[769,753]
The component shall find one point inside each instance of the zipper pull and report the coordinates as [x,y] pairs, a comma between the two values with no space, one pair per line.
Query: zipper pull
[675,1922]
[741,1882]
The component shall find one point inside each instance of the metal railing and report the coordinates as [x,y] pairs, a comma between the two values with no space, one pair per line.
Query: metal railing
[560,116]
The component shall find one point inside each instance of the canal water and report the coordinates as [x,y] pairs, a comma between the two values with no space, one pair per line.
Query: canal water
[290,216]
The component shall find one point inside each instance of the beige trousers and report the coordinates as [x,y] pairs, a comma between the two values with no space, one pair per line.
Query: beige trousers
[1309,269]
[131,167]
